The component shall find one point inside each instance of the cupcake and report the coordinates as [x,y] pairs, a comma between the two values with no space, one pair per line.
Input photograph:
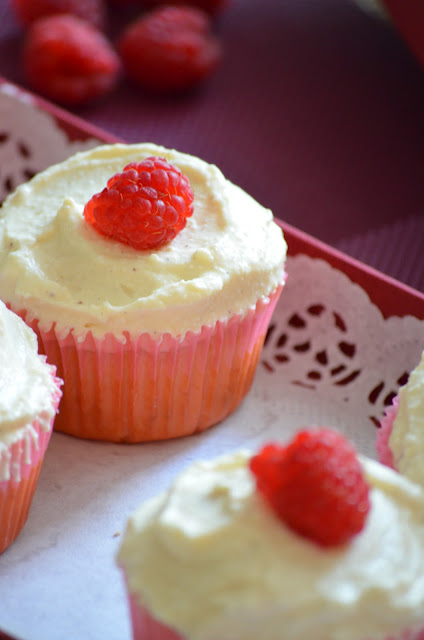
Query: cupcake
[400,438]
[300,541]
[150,281]
[29,397]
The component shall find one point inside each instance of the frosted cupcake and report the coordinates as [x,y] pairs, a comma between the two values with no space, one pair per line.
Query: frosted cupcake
[29,397]
[302,541]
[400,438]
[153,340]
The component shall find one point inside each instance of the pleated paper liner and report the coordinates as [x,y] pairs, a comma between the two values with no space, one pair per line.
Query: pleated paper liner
[22,463]
[154,389]
[146,627]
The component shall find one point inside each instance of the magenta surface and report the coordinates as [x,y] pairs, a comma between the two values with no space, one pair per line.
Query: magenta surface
[316,111]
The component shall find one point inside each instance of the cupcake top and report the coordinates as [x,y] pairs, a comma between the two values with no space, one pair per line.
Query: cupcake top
[52,263]
[27,385]
[407,437]
[210,559]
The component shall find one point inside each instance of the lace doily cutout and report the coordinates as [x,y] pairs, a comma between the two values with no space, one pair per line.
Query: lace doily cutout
[30,139]
[327,337]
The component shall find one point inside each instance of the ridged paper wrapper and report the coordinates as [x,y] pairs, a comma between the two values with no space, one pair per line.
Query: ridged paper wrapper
[23,460]
[154,388]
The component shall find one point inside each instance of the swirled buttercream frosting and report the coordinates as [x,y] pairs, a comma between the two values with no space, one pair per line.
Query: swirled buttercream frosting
[211,560]
[230,254]
[407,437]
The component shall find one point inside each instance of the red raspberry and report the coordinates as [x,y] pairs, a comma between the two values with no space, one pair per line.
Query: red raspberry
[211,6]
[315,484]
[145,206]
[68,60]
[170,48]
[93,11]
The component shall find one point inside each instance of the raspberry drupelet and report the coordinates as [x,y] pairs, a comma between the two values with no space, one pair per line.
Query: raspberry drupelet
[145,206]
[315,485]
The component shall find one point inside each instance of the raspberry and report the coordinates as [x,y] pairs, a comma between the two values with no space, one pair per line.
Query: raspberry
[68,60]
[93,11]
[144,207]
[211,6]
[315,484]
[169,48]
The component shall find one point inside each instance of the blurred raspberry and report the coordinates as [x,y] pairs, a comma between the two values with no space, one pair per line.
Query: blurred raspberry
[211,6]
[170,48]
[93,11]
[315,484]
[68,60]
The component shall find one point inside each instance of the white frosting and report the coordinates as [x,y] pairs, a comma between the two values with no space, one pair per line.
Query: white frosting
[230,254]
[211,560]
[26,387]
[407,438]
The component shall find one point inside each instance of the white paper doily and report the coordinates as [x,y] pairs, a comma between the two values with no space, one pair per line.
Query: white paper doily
[30,139]
[328,340]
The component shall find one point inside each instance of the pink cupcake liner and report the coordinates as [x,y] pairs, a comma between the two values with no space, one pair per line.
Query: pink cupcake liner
[146,627]
[384,452]
[154,389]
[410,635]
[24,458]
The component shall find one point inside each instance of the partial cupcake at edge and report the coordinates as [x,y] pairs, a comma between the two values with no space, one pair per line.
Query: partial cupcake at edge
[298,540]
[400,438]
[157,332]
[30,394]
